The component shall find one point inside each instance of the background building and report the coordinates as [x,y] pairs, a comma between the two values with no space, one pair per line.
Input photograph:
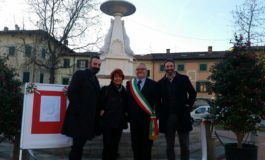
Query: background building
[195,65]
[21,46]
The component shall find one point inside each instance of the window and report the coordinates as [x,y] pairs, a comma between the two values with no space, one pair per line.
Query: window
[200,110]
[66,63]
[203,67]
[26,77]
[180,67]
[41,77]
[65,81]
[148,73]
[43,53]
[162,67]
[191,75]
[202,86]
[28,50]
[11,51]
[82,63]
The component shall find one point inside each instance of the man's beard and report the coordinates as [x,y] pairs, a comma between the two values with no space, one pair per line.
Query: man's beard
[94,70]
[170,71]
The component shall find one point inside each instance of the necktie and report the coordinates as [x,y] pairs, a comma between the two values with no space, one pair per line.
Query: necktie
[139,84]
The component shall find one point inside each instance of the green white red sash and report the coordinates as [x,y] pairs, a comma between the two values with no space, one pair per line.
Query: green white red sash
[143,103]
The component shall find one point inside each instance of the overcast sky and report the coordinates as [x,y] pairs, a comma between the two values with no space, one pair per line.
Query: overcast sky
[181,25]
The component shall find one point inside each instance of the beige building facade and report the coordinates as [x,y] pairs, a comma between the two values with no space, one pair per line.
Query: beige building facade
[196,65]
[19,47]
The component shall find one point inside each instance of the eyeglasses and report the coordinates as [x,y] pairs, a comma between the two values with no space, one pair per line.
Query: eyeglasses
[140,69]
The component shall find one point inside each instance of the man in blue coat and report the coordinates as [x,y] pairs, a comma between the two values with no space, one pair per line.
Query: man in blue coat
[177,98]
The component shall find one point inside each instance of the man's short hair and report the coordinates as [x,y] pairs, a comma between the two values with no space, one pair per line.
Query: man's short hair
[94,57]
[169,60]
[141,63]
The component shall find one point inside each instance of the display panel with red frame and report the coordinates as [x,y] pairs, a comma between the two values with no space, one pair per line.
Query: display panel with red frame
[40,127]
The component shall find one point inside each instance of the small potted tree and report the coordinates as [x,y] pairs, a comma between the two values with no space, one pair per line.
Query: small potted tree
[238,82]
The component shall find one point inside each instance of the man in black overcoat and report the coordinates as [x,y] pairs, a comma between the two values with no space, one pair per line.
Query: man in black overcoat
[177,98]
[138,118]
[83,93]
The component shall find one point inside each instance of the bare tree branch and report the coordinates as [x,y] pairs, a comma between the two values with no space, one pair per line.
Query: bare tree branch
[63,21]
[249,20]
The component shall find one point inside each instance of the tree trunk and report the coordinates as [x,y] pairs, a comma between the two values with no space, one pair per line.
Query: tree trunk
[52,76]
[239,136]
[16,149]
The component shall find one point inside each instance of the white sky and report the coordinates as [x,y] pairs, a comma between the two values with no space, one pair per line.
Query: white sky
[181,25]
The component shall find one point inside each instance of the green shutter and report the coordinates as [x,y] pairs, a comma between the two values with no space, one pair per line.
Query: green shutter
[148,73]
[203,67]
[41,77]
[28,50]
[65,81]
[66,63]
[162,67]
[11,51]
[180,67]
[26,76]
[198,86]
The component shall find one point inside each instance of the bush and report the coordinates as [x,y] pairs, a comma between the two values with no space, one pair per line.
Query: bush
[11,99]
[239,84]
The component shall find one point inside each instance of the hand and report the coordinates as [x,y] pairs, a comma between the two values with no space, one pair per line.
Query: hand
[101,113]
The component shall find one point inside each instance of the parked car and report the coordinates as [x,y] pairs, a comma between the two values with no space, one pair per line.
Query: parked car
[200,112]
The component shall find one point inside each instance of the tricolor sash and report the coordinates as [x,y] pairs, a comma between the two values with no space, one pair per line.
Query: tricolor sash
[143,103]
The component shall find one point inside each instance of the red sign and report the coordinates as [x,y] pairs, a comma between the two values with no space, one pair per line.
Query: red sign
[39,127]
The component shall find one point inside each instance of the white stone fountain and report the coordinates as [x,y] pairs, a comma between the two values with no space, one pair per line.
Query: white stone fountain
[116,52]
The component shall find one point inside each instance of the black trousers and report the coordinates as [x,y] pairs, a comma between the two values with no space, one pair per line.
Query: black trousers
[170,139]
[141,144]
[77,148]
[111,140]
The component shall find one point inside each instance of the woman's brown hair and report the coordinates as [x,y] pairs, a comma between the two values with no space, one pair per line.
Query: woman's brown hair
[118,72]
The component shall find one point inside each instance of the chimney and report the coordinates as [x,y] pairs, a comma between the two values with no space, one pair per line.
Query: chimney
[168,51]
[210,49]
[5,28]
[17,27]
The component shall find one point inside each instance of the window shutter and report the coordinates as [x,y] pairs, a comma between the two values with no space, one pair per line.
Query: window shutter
[26,76]
[162,67]
[198,86]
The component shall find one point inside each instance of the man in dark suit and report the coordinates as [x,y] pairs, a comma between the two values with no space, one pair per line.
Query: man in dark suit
[138,118]
[83,94]
[178,96]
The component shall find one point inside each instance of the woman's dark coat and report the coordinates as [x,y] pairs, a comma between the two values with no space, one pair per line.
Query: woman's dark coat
[113,101]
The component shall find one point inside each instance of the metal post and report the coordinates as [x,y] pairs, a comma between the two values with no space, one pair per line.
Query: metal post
[20,154]
[203,141]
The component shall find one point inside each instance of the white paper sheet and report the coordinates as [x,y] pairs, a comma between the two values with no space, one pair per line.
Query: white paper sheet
[50,108]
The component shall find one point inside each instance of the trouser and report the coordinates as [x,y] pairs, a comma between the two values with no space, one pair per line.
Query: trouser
[141,144]
[77,148]
[170,139]
[111,140]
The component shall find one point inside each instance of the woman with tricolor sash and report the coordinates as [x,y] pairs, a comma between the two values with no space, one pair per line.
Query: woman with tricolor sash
[143,98]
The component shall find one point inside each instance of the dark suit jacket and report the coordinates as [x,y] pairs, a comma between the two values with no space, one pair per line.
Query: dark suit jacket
[185,98]
[135,112]
[83,94]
